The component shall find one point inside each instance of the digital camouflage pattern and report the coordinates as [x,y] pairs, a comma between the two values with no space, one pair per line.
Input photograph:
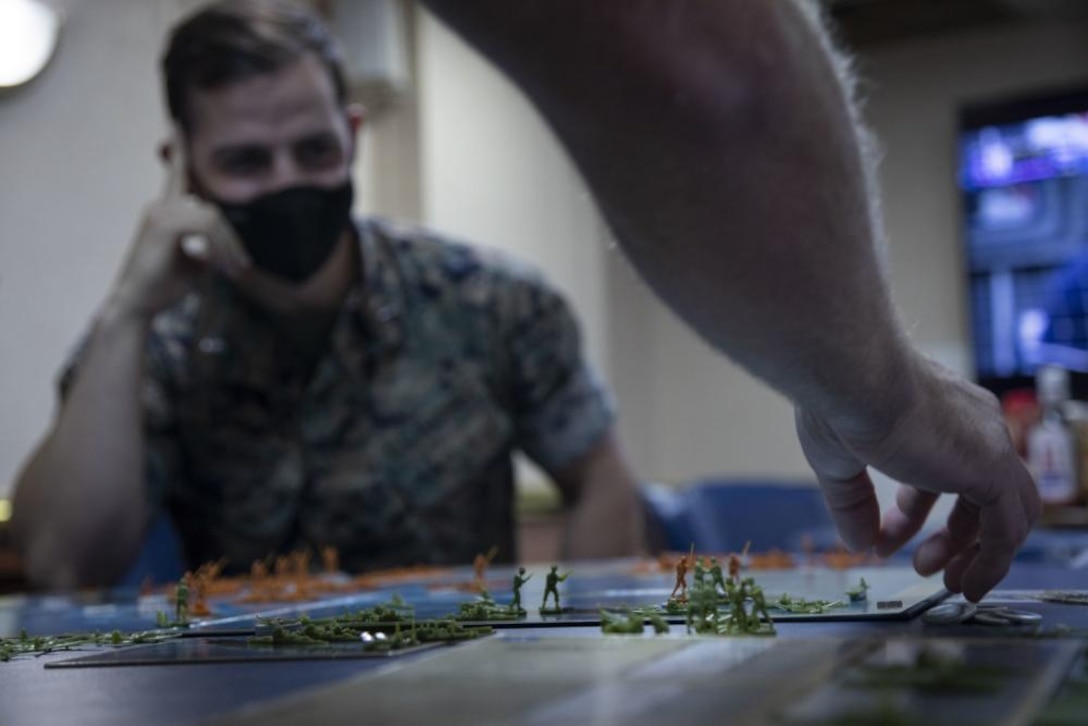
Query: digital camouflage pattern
[395,447]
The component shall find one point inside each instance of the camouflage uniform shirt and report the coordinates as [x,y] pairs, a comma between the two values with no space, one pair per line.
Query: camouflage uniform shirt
[395,447]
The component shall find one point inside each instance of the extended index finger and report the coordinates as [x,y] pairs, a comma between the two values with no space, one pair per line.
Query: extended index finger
[176,166]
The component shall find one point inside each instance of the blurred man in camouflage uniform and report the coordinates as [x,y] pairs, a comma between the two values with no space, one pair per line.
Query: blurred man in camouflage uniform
[275,376]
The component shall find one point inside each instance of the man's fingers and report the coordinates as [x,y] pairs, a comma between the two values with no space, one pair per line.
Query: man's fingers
[854,509]
[986,570]
[176,167]
[226,252]
[844,480]
[1004,525]
[957,566]
[205,237]
[956,537]
[234,251]
[912,506]
[196,246]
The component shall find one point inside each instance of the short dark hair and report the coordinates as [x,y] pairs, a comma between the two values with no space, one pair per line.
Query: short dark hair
[232,40]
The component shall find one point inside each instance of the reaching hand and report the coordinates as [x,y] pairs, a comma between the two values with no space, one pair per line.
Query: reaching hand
[179,237]
[951,440]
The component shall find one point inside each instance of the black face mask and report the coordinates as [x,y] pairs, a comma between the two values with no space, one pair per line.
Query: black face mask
[291,233]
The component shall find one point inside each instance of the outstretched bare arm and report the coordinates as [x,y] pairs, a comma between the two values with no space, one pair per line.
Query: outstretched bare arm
[723,147]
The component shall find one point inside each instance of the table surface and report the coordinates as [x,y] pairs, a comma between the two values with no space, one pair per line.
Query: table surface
[190,694]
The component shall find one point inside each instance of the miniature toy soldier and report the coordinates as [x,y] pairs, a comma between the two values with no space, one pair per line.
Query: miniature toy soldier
[660,625]
[734,568]
[717,579]
[520,579]
[859,593]
[702,610]
[330,559]
[681,585]
[181,600]
[759,607]
[300,564]
[198,589]
[551,586]
[737,594]
[629,624]
[479,569]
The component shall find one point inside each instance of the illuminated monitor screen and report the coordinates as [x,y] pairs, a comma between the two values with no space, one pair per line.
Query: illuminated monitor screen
[1023,175]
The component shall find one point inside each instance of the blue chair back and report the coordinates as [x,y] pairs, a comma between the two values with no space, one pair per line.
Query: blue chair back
[160,559]
[723,515]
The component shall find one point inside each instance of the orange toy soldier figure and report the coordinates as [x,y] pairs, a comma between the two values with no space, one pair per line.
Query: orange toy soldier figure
[300,564]
[330,559]
[200,582]
[681,581]
[258,578]
[734,568]
[479,569]
[735,562]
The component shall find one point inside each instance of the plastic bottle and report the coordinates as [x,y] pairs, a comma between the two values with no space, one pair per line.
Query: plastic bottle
[1051,447]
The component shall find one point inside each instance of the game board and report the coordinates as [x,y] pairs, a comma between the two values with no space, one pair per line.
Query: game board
[895,592]
[635,681]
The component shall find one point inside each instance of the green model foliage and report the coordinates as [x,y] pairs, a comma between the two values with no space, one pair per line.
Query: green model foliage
[799,605]
[43,644]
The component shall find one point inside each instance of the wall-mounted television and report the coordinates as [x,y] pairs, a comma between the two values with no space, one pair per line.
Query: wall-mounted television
[1023,175]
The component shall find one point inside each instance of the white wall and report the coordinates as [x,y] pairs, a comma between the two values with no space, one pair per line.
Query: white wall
[492,174]
[77,159]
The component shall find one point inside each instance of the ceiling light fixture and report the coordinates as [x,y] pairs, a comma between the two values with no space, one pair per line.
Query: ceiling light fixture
[28,37]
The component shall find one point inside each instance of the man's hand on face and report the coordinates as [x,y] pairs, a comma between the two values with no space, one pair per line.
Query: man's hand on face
[179,237]
[951,440]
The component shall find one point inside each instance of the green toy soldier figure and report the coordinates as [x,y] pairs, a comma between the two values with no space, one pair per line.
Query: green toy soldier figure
[759,613]
[551,586]
[736,594]
[717,578]
[520,579]
[859,593]
[181,600]
[629,624]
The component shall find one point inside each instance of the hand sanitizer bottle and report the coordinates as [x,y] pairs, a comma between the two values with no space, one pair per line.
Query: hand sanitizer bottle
[1051,449]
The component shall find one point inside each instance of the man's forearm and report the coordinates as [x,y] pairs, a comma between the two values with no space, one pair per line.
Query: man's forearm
[604,524]
[720,140]
[80,504]
[605,518]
